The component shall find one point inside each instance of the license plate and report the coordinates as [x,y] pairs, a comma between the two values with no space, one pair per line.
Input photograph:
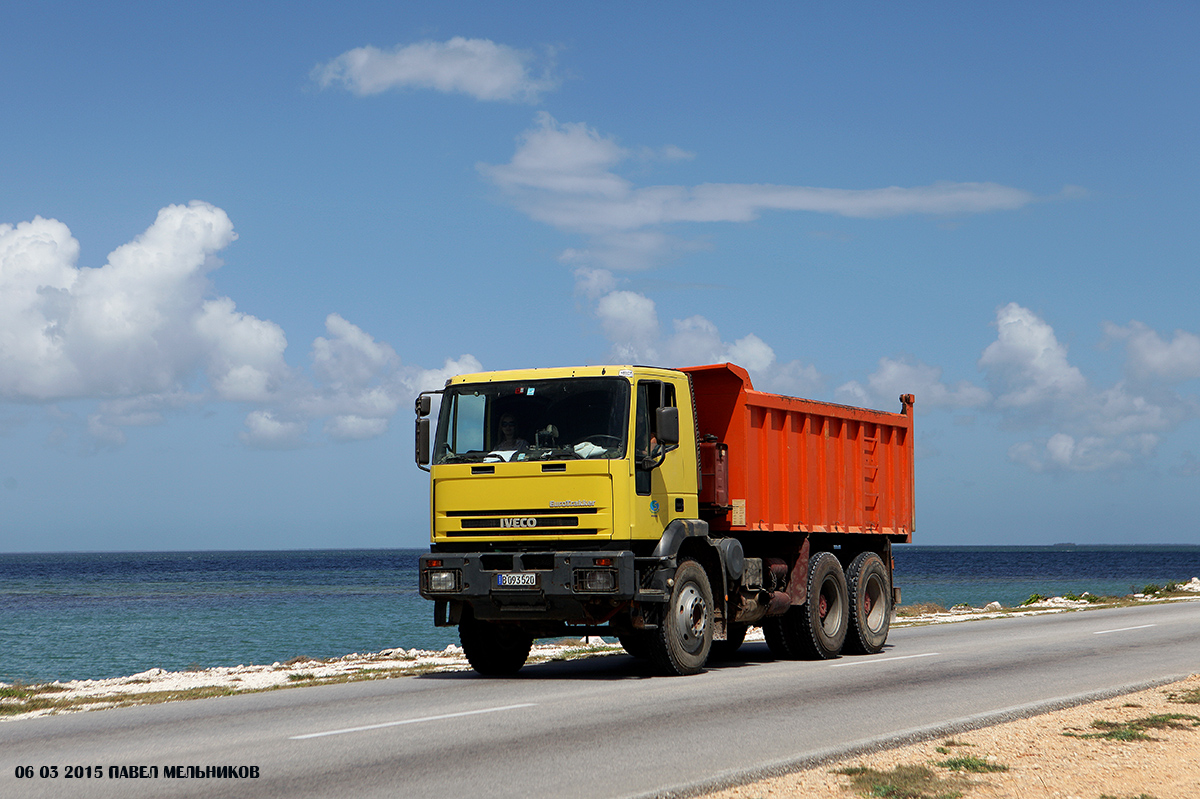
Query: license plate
[517,580]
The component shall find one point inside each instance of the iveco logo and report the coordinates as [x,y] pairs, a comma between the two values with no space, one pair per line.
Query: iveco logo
[526,522]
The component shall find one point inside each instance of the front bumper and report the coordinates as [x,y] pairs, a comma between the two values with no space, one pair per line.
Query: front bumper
[572,587]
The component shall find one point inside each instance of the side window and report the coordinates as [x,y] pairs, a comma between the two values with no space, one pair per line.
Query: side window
[651,395]
[466,432]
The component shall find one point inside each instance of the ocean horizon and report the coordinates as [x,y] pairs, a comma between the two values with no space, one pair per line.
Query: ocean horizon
[94,615]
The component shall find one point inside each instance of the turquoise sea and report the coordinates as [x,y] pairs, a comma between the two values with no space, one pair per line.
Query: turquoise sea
[109,614]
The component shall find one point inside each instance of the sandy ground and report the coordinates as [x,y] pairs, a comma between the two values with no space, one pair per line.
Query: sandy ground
[1044,755]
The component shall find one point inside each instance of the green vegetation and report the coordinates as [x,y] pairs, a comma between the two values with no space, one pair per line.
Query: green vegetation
[20,690]
[1188,697]
[1135,730]
[905,782]
[1088,597]
[922,782]
[920,609]
[975,765]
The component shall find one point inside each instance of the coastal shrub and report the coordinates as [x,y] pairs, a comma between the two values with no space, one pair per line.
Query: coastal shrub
[920,609]
[975,765]
[1151,588]
[1033,599]
[1135,730]
[905,782]
[20,690]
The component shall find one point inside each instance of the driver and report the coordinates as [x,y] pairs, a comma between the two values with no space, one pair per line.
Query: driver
[508,435]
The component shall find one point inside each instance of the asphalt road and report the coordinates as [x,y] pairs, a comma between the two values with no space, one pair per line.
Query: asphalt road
[604,727]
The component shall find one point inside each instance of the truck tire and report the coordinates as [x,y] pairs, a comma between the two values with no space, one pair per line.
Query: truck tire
[870,592]
[735,634]
[636,643]
[682,642]
[777,642]
[494,650]
[817,629]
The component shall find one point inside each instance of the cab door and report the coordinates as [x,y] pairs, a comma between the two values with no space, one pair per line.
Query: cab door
[666,491]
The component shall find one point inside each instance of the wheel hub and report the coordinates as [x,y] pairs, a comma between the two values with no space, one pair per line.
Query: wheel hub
[690,617]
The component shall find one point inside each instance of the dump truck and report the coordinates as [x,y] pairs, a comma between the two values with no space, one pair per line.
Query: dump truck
[672,509]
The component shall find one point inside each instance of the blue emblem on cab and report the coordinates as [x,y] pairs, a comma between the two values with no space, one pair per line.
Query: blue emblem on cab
[654,507]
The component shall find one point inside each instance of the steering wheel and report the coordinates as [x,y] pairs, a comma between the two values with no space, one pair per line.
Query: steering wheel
[599,438]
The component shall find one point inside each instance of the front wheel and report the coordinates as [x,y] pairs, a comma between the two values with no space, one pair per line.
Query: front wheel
[494,650]
[681,644]
[637,643]
[870,593]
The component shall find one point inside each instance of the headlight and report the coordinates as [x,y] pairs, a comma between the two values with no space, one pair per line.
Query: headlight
[595,580]
[444,580]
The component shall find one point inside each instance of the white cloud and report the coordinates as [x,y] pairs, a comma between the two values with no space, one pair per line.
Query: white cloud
[1027,363]
[896,377]
[1148,356]
[564,175]
[480,68]
[265,430]
[1085,428]
[630,321]
[138,331]
[117,330]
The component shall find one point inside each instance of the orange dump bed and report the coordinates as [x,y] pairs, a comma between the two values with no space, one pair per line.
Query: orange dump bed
[804,466]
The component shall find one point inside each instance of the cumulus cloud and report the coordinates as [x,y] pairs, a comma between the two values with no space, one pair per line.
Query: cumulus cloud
[1085,428]
[565,175]
[1033,389]
[137,333]
[479,68]
[630,321]
[894,377]
[1149,356]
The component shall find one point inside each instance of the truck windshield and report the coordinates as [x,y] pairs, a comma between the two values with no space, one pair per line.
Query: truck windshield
[582,417]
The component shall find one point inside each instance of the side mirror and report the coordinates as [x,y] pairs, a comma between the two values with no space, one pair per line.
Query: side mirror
[668,426]
[422,406]
[423,441]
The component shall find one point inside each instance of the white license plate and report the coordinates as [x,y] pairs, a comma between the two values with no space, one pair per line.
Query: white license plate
[516,580]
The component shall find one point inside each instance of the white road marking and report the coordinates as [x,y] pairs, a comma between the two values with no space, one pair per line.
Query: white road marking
[1123,629]
[839,664]
[410,721]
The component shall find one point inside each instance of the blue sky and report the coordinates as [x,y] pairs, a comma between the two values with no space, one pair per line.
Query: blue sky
[234,242]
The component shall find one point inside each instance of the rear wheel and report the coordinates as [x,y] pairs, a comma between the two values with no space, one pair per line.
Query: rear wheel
[777,642]
[870,594]
[816,629]
[495,650]
[681,643]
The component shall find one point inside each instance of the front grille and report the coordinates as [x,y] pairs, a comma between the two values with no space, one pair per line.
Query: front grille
[523,531]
